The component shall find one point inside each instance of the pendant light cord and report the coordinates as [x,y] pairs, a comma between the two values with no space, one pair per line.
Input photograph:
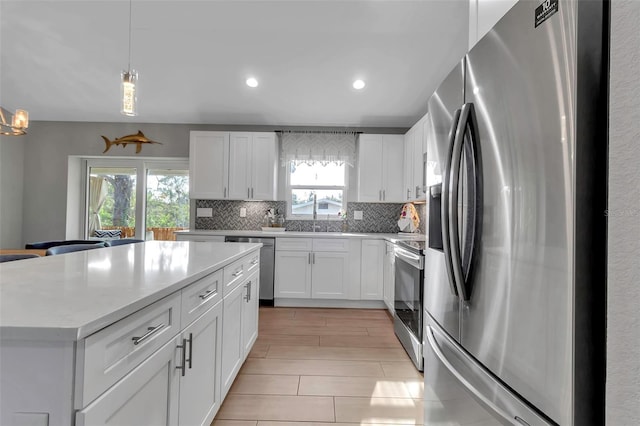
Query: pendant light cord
[129,65]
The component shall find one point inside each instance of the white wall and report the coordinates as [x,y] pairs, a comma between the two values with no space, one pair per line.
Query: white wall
[11,188]
[623,322]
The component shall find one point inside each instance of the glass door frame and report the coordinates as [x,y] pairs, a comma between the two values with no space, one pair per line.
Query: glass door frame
[142,165]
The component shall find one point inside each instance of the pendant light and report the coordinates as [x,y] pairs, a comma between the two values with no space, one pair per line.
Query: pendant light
[129,83]
[18,124]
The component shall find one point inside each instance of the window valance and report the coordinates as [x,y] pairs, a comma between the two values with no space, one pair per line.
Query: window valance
[325,147]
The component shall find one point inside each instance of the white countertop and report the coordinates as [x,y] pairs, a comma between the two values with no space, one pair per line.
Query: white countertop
[70,296]
[297,234]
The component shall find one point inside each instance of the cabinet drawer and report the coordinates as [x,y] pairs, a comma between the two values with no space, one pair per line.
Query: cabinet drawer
[112,352]
[294,244]
[252,261]
[200,296]
[330,244]
[233,275]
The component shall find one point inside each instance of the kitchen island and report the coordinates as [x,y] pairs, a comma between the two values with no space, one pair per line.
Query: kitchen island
[133,333]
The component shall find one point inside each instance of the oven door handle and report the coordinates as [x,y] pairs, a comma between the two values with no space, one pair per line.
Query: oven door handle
[412,259]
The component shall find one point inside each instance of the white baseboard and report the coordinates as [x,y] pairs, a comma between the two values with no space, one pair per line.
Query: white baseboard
[329,303]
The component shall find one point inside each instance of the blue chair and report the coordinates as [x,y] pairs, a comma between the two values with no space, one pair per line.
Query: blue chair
[12,257]
[44,245]
[121,242]
[73,247]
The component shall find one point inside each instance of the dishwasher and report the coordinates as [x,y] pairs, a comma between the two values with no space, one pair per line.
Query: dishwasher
[267,261]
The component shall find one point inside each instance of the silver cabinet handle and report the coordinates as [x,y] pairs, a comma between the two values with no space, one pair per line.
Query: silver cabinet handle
[151,331]
[225,192]
[408,194]
[417,190]
[248,193]
[183,346]
[380,195]
[190,340]
[309,258]
[314,258]
[207,294]
[248,287]
[255,261]
[252,192]
[237,273]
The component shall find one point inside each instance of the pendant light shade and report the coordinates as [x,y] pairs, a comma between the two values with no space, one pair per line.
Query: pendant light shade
[129,83]
[129,93]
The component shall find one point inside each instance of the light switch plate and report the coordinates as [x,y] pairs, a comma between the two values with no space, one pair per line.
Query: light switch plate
[204,212]
[357,214]
[243,212]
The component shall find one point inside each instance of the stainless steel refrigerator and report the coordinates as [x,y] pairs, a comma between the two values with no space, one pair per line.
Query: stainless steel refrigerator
[515,272]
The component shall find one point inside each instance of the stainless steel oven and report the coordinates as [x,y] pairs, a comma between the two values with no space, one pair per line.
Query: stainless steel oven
[409,276]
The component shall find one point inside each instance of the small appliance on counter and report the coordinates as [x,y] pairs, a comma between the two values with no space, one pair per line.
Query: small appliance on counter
[409,221]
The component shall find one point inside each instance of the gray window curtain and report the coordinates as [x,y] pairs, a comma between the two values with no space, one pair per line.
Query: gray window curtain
[323,147]
[97,195]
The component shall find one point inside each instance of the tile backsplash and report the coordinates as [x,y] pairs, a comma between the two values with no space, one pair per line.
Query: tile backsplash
[376,217]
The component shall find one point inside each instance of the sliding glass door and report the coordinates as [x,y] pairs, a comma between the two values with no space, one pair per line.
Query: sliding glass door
[132,198]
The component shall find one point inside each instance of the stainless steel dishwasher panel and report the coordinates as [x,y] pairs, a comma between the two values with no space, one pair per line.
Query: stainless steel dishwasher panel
[267,261]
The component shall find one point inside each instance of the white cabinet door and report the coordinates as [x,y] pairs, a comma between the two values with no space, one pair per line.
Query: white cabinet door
[370,159]
[371,275]
[293,274]
[418,159]
[330,275]
[232,344]
[200,396]
[240,165]
[264,163]
[251,290]
[148,395]
[408,164]
[389,277]
[208,165]
[392,166]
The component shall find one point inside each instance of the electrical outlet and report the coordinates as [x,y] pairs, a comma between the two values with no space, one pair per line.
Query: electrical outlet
[243,212]
[204,212]
[357,215]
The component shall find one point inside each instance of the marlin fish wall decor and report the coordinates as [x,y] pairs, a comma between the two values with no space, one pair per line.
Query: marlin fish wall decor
[139,139]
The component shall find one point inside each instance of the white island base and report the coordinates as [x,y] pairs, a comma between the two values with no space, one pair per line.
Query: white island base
[150,333]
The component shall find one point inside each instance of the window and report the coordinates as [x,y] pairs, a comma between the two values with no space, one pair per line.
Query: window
[145,199]
[319,185]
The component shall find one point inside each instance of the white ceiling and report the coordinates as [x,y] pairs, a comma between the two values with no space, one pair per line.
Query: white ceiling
[61,60]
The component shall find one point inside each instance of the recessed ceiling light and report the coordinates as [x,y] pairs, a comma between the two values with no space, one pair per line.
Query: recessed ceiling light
[252,82]
[358,84]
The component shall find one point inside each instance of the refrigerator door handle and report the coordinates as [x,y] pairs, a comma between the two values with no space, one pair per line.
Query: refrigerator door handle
[479,395]
[462,266]
[511,403]
[444,205]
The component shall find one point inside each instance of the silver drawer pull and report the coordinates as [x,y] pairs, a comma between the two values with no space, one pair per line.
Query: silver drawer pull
[151,332]
[207,294]
[237,273]
[255,261]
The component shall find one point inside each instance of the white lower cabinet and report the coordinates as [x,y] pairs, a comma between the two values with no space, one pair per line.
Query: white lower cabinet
[312,268]
[292,274]
[372,270]
[239,328]
[200,396]
[389,277]
[329,275]
[148,395]
[251,297]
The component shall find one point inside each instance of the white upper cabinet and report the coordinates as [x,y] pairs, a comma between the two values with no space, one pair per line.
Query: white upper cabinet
[233,165]
[414,148]
[380,161]
[208,165]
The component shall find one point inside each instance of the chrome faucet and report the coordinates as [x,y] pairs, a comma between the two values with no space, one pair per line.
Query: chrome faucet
[316,228]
